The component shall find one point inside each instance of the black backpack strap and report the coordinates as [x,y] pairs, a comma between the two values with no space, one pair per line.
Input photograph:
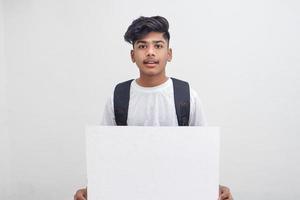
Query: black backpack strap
[121,102]
[182,101]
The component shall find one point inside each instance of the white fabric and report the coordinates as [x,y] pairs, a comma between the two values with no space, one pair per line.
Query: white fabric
[154,106]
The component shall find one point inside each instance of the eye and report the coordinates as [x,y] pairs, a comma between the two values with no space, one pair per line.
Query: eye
[159,46]
[142,46]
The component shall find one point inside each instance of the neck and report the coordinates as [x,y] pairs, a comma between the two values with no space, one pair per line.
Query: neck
[146,81]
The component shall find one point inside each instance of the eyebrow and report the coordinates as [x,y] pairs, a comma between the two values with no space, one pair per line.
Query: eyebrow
[145,42]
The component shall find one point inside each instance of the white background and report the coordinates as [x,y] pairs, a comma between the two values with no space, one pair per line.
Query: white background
[60,59]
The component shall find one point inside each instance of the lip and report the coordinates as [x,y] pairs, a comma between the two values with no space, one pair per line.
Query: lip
[150,62]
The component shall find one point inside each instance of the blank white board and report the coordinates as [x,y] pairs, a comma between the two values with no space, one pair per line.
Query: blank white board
[152,163]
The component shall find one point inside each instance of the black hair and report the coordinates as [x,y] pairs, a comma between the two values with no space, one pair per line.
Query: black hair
[144,25]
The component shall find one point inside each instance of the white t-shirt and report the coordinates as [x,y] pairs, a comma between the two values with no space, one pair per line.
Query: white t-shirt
[154,106]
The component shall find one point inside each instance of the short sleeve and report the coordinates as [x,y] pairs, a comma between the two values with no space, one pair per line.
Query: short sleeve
[108,118]
[197,116]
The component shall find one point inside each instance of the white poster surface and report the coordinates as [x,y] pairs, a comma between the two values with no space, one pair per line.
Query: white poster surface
[152,163]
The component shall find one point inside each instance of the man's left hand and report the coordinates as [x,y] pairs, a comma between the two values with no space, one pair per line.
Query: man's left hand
[224,193]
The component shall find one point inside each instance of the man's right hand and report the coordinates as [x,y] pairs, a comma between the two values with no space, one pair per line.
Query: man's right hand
[81,194]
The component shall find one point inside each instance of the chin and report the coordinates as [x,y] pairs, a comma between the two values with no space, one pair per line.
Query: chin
[151,72]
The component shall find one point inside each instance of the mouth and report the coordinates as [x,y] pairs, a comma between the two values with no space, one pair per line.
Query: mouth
[150,62]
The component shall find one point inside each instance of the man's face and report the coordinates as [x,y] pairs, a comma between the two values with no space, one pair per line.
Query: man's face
[151,54]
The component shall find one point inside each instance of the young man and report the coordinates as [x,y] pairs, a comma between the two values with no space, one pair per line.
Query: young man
[151,96]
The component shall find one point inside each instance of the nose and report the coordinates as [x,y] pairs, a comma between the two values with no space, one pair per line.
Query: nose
[150,51]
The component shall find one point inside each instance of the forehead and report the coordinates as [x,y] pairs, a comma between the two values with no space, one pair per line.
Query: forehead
[152,37]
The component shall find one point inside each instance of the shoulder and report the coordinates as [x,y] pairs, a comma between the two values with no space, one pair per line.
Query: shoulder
[193,94]
[180,85]
[123,86]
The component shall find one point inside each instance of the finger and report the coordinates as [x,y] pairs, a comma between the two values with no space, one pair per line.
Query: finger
[79,195]
[85,193]
[225,196]
[225,189]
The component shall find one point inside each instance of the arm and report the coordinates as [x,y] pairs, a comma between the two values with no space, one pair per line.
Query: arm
[197,116]
[108,117]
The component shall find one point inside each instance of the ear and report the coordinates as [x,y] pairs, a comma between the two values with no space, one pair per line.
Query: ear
[170,55]
[132,56]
